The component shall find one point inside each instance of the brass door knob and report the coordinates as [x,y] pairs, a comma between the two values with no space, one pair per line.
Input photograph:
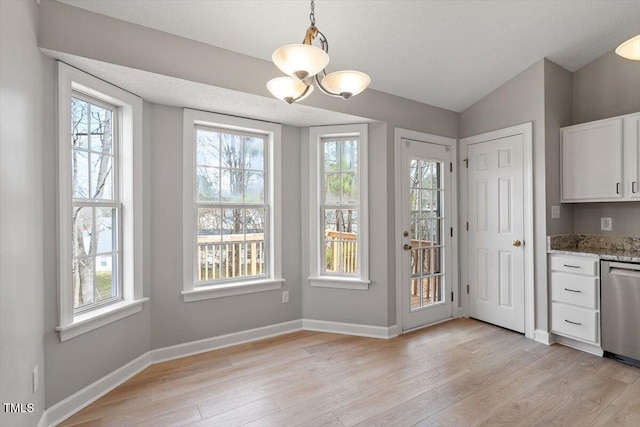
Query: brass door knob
[517,243]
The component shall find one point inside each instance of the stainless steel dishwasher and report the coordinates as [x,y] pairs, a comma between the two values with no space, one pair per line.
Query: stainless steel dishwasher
[620,298]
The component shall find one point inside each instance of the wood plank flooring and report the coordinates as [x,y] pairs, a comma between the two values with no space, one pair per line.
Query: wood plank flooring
[463,372]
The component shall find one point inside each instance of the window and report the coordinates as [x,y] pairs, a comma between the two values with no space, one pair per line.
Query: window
[230,194]
[99,194]
[339,206]
[95,203]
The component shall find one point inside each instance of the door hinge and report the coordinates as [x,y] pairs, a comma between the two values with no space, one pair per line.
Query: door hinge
[451,296]
[467,289]
[467,225]
[466,163]
[450,167]
[451,231]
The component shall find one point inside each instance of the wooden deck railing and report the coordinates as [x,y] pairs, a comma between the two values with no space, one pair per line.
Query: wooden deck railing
[430,263]
[230,257]
[342,252]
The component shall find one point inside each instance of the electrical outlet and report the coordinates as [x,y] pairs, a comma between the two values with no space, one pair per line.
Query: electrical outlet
[606,224]
[34,379]
[285,296]
[555,212]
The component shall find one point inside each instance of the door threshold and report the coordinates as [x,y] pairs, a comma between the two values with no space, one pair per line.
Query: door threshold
[417,328]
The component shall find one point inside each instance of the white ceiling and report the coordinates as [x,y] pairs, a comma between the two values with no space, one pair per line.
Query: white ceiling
[440,52]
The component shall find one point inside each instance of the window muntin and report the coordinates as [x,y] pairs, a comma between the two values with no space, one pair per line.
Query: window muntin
[95,204]
[340,206]
[231,206]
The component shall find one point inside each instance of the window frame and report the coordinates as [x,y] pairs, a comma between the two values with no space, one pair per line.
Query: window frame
[192,120]
[317,277]
[128,156]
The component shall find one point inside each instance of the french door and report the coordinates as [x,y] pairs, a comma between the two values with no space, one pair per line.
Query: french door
[427,219]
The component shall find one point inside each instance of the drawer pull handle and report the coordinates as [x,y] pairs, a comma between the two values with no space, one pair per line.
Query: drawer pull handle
[571,266]
[573,323]
[633,187]
[572,290]
[617,188]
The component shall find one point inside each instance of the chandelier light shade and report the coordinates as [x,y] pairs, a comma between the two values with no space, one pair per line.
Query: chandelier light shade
[346,83]
[289,89]
[306,63]
[630,49]
[300,60]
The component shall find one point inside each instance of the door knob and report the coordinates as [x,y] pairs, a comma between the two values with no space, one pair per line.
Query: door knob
[516,243]
[407,247]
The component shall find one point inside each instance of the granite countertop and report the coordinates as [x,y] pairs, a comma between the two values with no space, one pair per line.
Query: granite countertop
[610,248]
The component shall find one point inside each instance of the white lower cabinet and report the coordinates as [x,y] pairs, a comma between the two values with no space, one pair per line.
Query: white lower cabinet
[575,302]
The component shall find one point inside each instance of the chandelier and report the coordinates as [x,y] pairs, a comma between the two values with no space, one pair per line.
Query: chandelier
[304,63]
[630,49]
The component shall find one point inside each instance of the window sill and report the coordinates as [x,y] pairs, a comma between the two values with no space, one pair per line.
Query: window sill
[339,283]
[231,289]
[95,319]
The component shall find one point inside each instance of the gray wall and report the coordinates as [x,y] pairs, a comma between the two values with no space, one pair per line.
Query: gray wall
[607,87]
[175,321]
[368,307]
[521,100]
[558,96]
[76,363]
[21,221]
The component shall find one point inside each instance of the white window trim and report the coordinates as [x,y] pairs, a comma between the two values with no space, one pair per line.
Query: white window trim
[130,161]
[316,277]
[274,281]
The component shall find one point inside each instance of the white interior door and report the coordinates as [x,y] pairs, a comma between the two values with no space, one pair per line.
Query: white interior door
[496,232]
[426,222]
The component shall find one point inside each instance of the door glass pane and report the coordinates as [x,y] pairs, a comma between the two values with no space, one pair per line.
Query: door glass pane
[426,200]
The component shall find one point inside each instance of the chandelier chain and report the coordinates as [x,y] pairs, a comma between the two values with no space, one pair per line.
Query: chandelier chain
[312,15]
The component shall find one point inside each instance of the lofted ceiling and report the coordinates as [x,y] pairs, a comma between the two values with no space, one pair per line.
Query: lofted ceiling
[440,52]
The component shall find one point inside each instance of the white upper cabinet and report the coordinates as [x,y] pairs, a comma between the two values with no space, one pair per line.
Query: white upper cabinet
[600,160]
[631,151]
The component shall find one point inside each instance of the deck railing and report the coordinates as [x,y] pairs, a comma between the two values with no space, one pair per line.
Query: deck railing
[236,255]
[342,252]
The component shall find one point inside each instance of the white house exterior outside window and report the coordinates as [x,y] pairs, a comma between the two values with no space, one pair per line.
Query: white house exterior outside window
[231,206]
[338,206]
[100,193]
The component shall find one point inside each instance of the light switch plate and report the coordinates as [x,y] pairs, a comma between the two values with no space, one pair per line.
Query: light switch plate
[606,224]
[555,212]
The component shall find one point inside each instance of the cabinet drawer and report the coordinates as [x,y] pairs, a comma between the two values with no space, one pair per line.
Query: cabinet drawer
[574,322]
[586,266]
[574,289]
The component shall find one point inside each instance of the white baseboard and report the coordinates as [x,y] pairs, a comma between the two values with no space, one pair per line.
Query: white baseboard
[350,329]
[81,399]
[542,337]
[579,345]
[43,419]
[188,349]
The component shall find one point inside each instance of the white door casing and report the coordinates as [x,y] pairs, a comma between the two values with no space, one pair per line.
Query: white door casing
[426,214]
[498,198]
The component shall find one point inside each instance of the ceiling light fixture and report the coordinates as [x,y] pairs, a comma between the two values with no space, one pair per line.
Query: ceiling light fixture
[304,63]
[630,49]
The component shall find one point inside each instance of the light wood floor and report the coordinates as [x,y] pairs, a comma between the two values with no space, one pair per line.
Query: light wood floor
[461,372]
